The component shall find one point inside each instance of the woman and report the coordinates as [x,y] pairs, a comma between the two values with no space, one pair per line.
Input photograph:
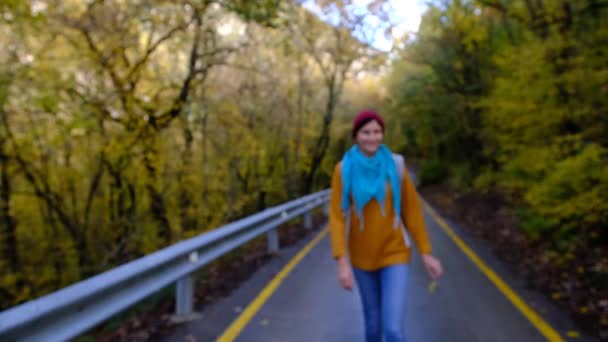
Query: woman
[366,187]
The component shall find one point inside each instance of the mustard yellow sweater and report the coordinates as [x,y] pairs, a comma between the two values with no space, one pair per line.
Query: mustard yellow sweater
[378,244]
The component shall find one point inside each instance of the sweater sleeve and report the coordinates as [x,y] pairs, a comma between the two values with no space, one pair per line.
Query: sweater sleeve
[337,221]
[412,215]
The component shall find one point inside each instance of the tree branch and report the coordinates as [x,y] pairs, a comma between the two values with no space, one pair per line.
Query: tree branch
[150,50]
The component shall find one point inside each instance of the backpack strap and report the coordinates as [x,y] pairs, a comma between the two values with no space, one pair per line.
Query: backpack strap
[400,163]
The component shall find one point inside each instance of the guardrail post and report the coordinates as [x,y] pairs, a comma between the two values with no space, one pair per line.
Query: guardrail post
[308,220]
[184,299]
[273,241]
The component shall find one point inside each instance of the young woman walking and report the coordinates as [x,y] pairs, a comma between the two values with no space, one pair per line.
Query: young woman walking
[371,197]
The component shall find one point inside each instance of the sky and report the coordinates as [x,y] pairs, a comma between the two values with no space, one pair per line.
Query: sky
[407,14]
[406,17]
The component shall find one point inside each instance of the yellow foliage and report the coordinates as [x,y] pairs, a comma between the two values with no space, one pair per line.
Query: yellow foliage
[575,191]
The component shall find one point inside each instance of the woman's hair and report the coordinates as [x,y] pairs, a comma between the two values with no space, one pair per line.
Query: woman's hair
[363,118]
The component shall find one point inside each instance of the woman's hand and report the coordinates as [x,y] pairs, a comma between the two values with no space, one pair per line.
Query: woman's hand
[345,274]
[433,266]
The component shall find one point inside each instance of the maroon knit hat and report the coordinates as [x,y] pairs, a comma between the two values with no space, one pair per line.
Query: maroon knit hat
[363,118]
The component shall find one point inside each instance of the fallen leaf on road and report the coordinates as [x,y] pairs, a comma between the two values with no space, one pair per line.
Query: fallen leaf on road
[573,334]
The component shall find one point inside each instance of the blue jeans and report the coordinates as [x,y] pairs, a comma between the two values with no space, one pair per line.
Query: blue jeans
[383,295]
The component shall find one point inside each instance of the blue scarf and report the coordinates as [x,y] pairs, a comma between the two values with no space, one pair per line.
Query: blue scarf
[364,178]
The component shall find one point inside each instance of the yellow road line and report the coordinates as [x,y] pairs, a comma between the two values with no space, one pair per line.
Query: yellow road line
[540,324]
[239,324]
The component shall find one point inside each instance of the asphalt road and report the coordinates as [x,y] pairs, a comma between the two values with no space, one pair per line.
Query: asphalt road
[310,306]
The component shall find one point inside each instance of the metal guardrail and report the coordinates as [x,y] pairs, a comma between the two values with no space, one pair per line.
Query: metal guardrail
[75,309]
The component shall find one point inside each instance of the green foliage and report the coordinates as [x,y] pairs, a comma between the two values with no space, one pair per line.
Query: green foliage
[261,11]
[511,97]
[533,224]
[433,171]
[510,102]
[437,84]
[461,175]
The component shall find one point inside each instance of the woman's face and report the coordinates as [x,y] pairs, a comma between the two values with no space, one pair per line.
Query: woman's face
[369,137]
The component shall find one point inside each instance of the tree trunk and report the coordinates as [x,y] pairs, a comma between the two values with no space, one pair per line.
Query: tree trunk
[188,221]
[8,224]
[322,142]
[93,187]
[292,176]
[205,162]
[122,208]
[157,207]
